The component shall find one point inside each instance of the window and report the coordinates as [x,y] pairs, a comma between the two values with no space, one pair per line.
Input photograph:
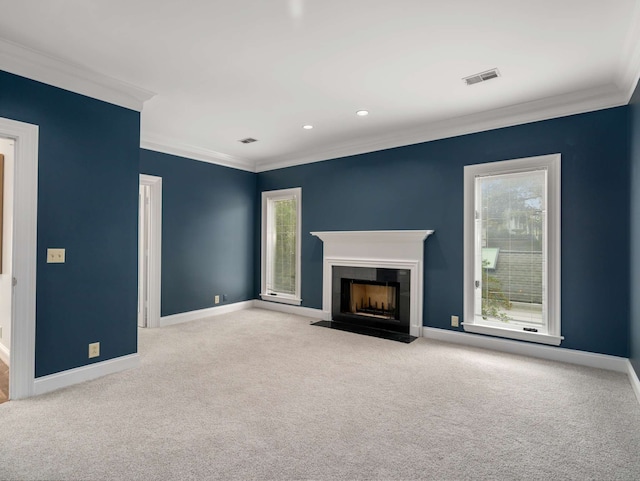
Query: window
[281,221]
[512,249]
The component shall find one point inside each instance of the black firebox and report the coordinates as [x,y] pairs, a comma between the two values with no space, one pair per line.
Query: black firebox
[371,297]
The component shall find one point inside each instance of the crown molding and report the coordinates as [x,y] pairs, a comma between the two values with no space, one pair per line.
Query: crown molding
[607,96]
[629,63]
[54,71]
[551,107]
[158,144]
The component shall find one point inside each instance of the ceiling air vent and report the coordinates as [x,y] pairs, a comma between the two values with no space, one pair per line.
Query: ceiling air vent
[248,140]
[482,77]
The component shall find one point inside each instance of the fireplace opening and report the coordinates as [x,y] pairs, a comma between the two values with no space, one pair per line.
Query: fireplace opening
[370,298]
[374,298]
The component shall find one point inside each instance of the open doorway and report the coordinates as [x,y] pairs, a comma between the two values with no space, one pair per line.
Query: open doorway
[23,256]
[143,256]
[149,250]
[7,156]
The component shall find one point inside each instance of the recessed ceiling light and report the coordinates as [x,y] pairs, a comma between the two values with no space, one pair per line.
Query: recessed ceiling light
[362,113]
[307,127]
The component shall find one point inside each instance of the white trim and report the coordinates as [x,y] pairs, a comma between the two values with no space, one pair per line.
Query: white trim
[51,70]
[582,358]
[157,143]
[552,164]
[5,355]
[155,247]
[25,223]
[590,100]
[629,62]
[239,306]
[395,249]
[513,334]
[633,379]
[281,299]
[265,242]
[77,375]
[297,310]
[204,313]
[374,236]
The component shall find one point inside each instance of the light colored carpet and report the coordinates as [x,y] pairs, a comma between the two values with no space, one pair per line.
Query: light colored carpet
[262,395]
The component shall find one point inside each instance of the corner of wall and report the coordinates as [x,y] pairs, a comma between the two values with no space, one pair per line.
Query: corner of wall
[634,248]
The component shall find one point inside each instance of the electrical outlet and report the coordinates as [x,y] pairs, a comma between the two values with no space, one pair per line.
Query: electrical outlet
[224,297]
[454,321]
[217,300]
[55,256]
[94,349]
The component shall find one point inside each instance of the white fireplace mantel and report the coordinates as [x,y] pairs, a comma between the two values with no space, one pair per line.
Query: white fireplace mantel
[391,249]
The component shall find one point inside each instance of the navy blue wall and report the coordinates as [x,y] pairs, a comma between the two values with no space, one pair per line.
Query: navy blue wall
[207,231]
[421,187]
[87,203]
[89,160]
[634,331]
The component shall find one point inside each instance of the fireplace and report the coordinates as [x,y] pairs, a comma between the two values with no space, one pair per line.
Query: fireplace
[378,300]
[371,297]
[357,263]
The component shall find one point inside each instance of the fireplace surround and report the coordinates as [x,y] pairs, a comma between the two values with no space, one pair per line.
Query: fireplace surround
[380,251]
[371,297]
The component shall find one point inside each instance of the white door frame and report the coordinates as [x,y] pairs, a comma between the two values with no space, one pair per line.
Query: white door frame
[143,252]
[155,247]
[25,222]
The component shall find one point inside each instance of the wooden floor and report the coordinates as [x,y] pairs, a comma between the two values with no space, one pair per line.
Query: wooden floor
[4,382]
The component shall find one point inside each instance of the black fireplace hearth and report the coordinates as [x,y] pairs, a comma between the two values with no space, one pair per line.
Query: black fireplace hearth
[367,331]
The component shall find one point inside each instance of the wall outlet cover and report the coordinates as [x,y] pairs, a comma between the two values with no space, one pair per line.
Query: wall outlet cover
[94,349]
[455,321]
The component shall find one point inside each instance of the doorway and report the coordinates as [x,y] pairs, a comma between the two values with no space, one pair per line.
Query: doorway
[7,149]
[23,256]
[149,250]
[143,256]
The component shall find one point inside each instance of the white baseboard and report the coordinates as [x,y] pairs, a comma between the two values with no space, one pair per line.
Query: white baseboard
[633,378]
[238,306]
[298,310]
[204,313]
[5,355]
[85,373]
[571,356]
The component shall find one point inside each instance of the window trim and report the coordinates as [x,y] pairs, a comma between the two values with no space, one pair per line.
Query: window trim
[552,164]
[267,196]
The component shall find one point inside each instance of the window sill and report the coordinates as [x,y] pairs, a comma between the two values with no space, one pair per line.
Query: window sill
[513,334]
[282,299]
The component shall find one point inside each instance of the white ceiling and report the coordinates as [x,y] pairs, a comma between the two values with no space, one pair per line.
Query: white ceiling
[217,71]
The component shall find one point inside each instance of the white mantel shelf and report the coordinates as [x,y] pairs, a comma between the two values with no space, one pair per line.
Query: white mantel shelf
[393,249]
[373,235]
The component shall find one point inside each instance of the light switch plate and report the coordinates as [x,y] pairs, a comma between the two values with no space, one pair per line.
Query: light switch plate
[55,256]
